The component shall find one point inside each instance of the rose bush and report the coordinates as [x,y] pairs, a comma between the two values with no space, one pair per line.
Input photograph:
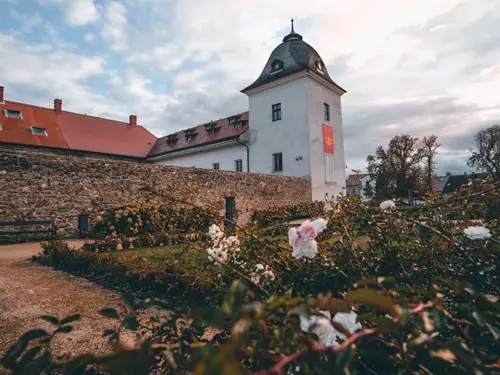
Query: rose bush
[367,289]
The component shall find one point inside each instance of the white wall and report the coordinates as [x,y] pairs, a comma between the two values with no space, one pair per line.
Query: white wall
[289,135]
[225,156]
[318,95]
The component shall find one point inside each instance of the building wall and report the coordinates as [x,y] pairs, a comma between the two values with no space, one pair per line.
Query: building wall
[290,135]
[225,156]
[319,94]
[44,185]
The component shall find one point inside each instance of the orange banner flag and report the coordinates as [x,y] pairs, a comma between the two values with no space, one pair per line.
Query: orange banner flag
[328,139]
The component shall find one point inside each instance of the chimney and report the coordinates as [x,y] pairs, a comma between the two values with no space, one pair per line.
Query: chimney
[133,120]
[58,105]
[1,94]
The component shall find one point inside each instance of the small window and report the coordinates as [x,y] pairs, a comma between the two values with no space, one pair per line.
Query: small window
[278,162]
[1,127]
[320,67]
[276,112]
[238,165]
[38,131]
[276,66]
[215,166]
[327,111]
[13,113]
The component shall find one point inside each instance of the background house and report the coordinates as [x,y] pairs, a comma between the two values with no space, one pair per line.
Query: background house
[356,183]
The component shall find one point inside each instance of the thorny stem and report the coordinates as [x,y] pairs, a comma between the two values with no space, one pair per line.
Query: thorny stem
[277,369]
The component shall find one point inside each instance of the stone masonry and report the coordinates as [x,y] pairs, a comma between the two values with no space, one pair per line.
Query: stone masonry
[47,184]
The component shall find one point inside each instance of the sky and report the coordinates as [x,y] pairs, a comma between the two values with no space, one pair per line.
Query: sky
[417,67]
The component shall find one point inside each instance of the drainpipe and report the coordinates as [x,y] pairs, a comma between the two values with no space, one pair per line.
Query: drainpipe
[248,152]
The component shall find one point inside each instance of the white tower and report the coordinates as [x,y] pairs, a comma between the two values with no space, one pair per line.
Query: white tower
[296,118]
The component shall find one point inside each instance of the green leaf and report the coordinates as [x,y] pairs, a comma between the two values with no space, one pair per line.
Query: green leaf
[71,319]
[33,335]
[65,329]
[373,299]
[109,313]
[131,323]
[51,319]
[212,316]
[109,332]
[29,356]
[342,359]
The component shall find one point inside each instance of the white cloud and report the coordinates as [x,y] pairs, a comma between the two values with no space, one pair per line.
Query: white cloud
[82,12]
[413,66]
[78,12]
[89,37]
[114,23]
[49,73]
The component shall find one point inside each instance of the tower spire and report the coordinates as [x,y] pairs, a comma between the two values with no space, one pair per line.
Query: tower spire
[293,31]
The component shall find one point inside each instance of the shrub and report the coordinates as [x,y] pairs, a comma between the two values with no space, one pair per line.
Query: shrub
[136,219]
[376,290]
[276,215]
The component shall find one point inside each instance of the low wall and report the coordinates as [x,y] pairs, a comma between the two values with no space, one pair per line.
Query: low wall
[46,184]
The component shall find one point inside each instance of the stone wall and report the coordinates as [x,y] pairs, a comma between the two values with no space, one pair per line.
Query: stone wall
[46,184]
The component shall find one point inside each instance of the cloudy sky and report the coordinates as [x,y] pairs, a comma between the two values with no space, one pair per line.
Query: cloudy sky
[414,66]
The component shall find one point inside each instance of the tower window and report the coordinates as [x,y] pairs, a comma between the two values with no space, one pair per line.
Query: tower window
[276,66]
[327,111]
[215,166]
[320,67]
[238,165]
[276,112]
[278,162]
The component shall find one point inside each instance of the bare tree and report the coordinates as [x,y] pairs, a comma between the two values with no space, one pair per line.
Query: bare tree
[429,146]
[486,155]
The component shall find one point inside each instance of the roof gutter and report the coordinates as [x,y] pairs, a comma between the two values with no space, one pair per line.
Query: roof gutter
[248,152]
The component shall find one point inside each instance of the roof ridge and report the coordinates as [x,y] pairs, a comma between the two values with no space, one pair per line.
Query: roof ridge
[202,124]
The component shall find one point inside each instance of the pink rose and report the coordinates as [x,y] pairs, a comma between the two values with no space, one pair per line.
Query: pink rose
[307,232]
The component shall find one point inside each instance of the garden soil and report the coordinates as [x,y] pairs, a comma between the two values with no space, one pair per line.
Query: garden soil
[28,290]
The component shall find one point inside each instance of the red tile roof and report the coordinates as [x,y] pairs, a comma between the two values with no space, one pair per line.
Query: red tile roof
[203,136]
[15,130]
[74,131]
[89,133]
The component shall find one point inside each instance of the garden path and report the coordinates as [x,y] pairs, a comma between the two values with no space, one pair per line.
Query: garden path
[28,290]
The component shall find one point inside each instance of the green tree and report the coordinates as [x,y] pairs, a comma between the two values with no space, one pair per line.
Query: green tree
[368,190]
[397,169]
[486,155]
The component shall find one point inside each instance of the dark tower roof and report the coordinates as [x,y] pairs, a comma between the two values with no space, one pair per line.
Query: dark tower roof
[292,56]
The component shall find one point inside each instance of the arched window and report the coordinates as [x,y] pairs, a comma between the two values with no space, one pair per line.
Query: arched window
[320,67]
[276,66]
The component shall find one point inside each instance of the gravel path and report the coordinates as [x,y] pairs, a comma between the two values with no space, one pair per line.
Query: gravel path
[28,290]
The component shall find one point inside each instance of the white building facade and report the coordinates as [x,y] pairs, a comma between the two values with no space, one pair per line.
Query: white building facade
[293,126]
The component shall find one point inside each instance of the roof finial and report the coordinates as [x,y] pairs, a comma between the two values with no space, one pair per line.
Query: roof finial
[293,31]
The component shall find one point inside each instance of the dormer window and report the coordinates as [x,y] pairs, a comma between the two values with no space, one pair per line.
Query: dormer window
[38,131]
[276,66]
[13,113]
[212,128]
[190,134]
[234,119]
[172,139]
[320,67]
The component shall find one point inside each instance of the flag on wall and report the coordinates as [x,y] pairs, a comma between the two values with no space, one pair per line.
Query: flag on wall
[328,139]
[328,149]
